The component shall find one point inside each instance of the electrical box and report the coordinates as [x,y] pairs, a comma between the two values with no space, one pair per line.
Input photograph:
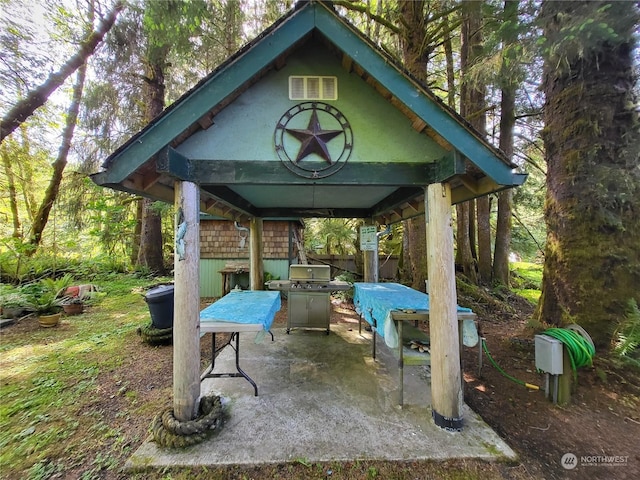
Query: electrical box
[548,354]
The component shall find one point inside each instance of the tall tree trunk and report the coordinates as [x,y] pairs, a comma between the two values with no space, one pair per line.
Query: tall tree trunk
[27,178]
[416,56]
[485,264]
[137,232]
[233,22]
[11,189]
[37,97]
[51,194]
[448,53]
[474,112]
[507,122]
[592,142]
[404,263]
[417,242]
[414,51]
[463,243]
[470,105]
[150,253]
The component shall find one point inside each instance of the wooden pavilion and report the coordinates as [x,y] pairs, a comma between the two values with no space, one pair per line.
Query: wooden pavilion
[311,119]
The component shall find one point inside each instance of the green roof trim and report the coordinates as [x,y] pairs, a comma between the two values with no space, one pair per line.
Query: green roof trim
[214,89]
[434,113]
[258,56]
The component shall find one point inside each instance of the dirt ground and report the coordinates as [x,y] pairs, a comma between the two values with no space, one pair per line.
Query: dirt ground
[603,418]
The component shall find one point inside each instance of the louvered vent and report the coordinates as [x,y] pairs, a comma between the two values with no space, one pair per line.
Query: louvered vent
[313,88]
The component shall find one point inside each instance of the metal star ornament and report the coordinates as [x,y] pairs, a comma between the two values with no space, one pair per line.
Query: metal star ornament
[295,146]
[313,139]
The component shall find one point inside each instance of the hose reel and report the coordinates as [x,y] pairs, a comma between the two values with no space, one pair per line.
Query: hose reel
[549,353]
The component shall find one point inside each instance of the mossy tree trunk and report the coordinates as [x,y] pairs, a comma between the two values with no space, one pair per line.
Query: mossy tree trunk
[150,252]
[592,141]
[509,83]
[416,49]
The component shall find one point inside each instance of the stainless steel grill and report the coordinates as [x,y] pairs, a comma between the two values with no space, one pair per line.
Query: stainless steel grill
[309,289]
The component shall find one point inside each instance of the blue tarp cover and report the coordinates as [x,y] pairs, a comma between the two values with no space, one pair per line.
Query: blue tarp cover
[244,306]
[377,300]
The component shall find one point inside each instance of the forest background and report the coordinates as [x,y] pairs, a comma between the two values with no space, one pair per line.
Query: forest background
[553,84]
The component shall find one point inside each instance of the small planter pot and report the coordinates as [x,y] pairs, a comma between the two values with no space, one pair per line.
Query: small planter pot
[73,308]
[48,321]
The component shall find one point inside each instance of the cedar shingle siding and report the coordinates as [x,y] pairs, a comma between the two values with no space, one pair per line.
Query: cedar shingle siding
[221,239]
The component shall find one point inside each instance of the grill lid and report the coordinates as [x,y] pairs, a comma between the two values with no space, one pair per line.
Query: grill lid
[291,286]
[310,273]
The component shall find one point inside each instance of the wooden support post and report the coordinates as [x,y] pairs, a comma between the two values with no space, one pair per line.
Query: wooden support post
[186,312]
[446,377]
[565,381]
[255,255]
[370,262]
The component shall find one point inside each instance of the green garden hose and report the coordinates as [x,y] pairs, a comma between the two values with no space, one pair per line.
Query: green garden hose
[513,379]
[581,351]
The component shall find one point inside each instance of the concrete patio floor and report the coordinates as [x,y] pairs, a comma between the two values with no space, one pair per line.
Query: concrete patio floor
[323,398]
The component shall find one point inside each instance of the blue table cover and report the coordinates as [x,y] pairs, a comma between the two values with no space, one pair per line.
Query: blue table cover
[377,300]
[244,306]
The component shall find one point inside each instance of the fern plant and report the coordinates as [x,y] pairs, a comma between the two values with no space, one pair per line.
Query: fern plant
[627,335]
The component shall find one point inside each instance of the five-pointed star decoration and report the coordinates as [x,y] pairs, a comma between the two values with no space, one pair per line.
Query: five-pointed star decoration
[314,139]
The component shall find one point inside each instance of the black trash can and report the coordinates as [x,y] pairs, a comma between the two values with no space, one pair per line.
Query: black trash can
[160,301]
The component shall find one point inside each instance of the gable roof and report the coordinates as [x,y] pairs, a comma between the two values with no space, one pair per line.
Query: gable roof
[151,161]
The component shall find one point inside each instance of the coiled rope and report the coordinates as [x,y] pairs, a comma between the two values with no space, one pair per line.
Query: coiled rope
[168,431]
[155,336]
[581,350]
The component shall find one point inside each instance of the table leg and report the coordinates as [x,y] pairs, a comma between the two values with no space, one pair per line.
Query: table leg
[208,373]
[240,371]
[401,362]
[375,327]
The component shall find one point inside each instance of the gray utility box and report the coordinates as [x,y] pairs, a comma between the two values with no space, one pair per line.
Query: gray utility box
[309,310]
[548,354]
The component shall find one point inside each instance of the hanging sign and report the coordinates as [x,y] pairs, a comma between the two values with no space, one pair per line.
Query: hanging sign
[368,238]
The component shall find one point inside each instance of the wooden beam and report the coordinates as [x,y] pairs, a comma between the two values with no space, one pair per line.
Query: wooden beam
[470,183]
[206,120]
[414,206]
[438,138]
[347,63]
[246,172]
[280,62]
[186,313]
[293,212]
[418,124]
[256,268]
[451,165]
[397,199]
[149,180]
[446,376]
[157,191]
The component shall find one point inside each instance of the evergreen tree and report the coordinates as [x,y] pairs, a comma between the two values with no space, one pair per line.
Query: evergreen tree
[592,141]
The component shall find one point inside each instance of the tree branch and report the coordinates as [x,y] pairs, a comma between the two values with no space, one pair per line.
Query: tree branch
[350,5]
[38,97]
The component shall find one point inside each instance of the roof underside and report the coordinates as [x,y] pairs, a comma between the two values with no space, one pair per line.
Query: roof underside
[151,161]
